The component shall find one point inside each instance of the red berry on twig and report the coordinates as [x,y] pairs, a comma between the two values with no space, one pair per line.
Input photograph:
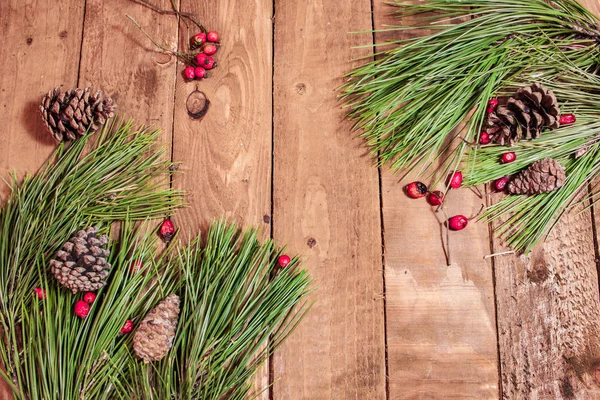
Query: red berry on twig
[209,49]
[199,39]
[500,184]
[200,73]
[82,309]
[283,260]
[458,222]
[435,198]
[456,180]
[41,293]
[89,297]
[416,190]
[491,105]
[212,36]
[509,157]
[205,61]
[127,327]
[484,138]
[136,266]
[567,119]
[189,73]
[166,230]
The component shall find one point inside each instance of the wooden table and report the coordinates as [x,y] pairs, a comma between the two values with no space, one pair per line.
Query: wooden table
[391,321]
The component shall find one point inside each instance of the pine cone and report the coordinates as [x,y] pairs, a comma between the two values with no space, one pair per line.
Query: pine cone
[69,115]
[541,177]
[81,264]
[154,337]
[524,115]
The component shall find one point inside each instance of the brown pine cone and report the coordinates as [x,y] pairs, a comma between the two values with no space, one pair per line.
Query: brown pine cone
[82,263]
[71,114]
[541,177]
[524,115]
[154,337]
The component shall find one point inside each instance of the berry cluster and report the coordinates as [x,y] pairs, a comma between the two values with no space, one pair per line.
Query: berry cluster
[208,44]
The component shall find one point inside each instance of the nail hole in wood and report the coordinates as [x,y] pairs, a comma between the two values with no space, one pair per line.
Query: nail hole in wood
[197,104]
[29,41]
[311,242]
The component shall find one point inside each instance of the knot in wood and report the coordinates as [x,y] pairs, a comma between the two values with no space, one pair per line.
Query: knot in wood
[197,104]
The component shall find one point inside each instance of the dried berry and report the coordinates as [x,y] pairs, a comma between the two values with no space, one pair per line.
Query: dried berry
[210,49]
[491,105]
[127,327]
[567,119]
[212,36]
[89,297]
[283,260]
[458,222]
[416,190]
[189,73]
[205,61]
[136,266]
[500,184]
[509,157]
[200,73]
[455,180]
[166,230]
[199,39]
[484,138]
[82,309]
[41,293]
[435,198]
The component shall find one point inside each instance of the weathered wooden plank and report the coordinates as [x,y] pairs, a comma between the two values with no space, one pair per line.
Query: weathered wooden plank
[548,311]
[326,206]
[441,328]
[40,50]
[117,58]
[226,156]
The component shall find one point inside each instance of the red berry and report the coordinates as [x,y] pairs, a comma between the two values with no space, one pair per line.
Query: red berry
[212,36]
[484,138]
[166,230]
[458,222]
[283,260]
[199,39]
[500,184]
[491,105]
[189,73]
[89,297]
[41,293]
[127,327]
[456,180]
[567,119]
[136,266]
[200,73]
[205,61]
[435,198]
[416,190]
[209,49]
[82,309]
[509,157]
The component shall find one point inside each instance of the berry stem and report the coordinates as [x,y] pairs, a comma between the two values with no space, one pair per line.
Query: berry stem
[174,11]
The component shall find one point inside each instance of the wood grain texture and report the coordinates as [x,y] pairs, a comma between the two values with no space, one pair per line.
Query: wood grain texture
[326,206]
[117,58]
[548,311]
[226,156]
[40,50]
[441,328]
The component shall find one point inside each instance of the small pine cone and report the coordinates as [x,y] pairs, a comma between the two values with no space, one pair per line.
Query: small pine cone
[524,115]
[69,115]
[541,177]
[154,337]
[82,263]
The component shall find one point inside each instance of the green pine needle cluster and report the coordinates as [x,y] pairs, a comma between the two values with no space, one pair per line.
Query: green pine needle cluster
[421,103]
[237,306]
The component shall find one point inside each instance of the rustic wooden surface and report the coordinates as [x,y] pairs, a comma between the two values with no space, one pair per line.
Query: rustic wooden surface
[391,319]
